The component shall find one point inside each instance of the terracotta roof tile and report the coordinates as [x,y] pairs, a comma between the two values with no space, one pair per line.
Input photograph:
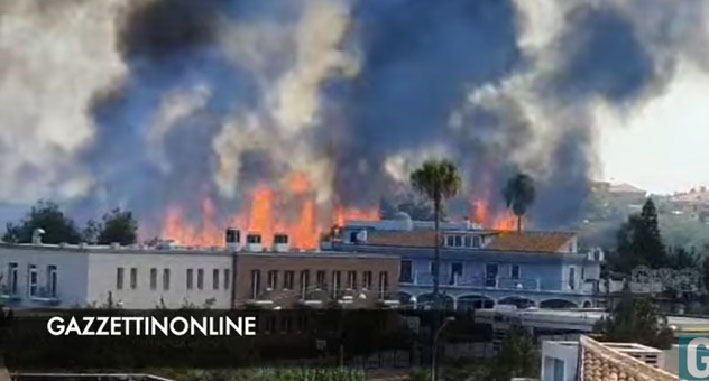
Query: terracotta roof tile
[503,241]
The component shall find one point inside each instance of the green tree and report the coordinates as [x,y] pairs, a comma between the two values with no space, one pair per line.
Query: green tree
[44,215]
[636,320]
[118,226]
[640,241]
[437,180]
[518,357]
[519,193]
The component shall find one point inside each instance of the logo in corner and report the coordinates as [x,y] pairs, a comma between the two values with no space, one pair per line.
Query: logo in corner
[694,357]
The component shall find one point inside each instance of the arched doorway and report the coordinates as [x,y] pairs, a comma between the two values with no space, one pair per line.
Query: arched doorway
[557,303]
[517,301]
[425,301]
[471,302]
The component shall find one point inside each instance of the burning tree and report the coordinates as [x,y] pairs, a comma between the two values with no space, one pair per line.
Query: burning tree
[519,193]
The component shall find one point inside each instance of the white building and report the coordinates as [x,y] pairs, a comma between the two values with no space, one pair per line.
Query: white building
[41,275]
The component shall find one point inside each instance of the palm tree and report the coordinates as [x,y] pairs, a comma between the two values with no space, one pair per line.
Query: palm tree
[519,193]
[437,180]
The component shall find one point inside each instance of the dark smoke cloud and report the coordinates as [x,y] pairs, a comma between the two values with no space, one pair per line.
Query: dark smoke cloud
[419,62]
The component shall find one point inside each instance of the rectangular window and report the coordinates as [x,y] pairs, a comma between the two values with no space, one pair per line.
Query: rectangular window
[406,271]
[119,278]
[476,242]
[255,283]
[32,280]
[572,278]
[200,279]
[352,280]
[320,279]
[515,272]
[450,241]
[227,279]
[335,283]
[272,279]
[166,279]
[13,278]
[215,279]
[304,283]
[189,278]
[253,238]
[288,277]
[280,239]
[456,273]
[133,278]
[491,275]
[153,279]
[52,281]
[468,241]
[367,280]
[458,241]
[383,284]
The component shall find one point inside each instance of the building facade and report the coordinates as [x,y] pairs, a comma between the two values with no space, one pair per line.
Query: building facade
[482,268]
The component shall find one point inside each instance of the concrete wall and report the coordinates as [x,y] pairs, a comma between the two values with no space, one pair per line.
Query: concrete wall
[72,273]
[103,278]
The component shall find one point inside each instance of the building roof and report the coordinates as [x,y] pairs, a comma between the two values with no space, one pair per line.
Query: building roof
[530,241]
[502,241]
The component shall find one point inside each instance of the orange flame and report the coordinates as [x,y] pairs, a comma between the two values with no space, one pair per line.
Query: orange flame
[262,214]
[480,213]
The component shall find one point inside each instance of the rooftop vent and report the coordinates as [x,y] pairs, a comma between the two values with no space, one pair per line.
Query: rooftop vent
[37,236]
[233,238]
[253,242]
[280,242]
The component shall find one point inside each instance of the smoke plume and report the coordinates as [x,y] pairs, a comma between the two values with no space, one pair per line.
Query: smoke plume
[148,104]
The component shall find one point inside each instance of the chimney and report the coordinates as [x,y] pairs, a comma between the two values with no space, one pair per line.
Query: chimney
[280,242]
[233,238]
[37,236]
[253,242]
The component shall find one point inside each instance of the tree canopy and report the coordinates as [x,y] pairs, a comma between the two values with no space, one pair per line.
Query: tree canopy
[636,320]
[519,193]
[118,226]
[44,215]
[640,242]
[437,179]
[518,357]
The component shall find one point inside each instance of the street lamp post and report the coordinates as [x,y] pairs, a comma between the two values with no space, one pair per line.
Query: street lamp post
[434,357]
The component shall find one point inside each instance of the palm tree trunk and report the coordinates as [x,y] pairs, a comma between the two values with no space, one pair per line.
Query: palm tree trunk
[436,307]
[519,223]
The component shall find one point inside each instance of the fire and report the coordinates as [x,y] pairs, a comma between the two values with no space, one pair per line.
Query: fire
[264,214]
[480,213]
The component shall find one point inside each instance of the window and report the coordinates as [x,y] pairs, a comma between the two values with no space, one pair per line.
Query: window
[383,284]
[272,279]
[153,279]
[572,278]
[52,281]
[491,275]
[133,278]
[255,283]
[280,239]
[353,237]
[476,242]
[406,271]
[335,283]
[215,279]
[352,280]
[119,278]
[583,273]
[458,241]
[456,273]
[32,280]
[189,278]
[515,272]
[304,282]
[227,279]
[200,279]
[320,279]
[450,241]
[367,280]
[288,277]
[166,279]
[468,241]
[13,278]
[253,238]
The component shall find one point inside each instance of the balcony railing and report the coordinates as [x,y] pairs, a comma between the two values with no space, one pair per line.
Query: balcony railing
[518,283]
